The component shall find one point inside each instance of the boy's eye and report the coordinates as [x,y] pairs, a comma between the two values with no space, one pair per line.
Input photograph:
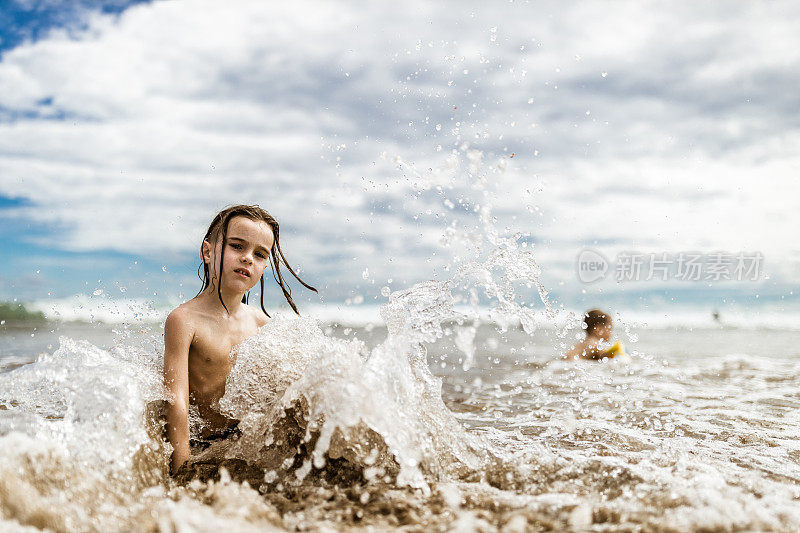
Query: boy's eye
[235,245]
[259,254]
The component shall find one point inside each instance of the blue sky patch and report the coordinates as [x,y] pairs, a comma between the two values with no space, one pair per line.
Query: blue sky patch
[33,20]
[8,202]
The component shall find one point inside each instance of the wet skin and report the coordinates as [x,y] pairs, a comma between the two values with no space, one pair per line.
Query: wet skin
[588,348]
[200,334]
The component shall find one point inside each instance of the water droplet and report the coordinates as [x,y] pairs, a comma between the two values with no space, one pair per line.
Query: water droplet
[98,292]
[386,291]
[365,274]
[604,73]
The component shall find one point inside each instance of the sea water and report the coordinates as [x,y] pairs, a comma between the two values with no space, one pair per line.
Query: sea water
[698,431]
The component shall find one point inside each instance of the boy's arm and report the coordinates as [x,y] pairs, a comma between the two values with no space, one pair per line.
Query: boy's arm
[178,334]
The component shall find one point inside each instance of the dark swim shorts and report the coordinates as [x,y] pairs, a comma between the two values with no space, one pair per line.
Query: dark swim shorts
[205,442]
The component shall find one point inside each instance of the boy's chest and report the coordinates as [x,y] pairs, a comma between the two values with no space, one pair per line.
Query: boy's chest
[214,346]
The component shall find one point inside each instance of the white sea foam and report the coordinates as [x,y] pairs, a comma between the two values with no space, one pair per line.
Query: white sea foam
[388,390]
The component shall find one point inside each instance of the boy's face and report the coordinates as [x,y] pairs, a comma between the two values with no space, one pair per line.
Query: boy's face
[246,253]
[603,331]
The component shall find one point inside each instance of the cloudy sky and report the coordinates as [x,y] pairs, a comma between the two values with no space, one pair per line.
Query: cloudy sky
[368,129]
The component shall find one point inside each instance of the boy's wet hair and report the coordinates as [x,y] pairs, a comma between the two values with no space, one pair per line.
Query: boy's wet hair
[219,229]
[595,319]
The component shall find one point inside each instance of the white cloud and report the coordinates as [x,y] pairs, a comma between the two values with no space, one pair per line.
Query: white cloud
[667,128]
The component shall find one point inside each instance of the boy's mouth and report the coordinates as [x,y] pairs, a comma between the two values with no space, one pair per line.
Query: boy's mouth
[243,272]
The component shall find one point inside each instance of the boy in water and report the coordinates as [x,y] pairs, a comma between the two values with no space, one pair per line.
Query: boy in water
[200,334]
[598,329]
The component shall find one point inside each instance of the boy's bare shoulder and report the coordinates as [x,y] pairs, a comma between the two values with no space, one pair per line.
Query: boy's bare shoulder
[258,315]
[180,330]
[182,317]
